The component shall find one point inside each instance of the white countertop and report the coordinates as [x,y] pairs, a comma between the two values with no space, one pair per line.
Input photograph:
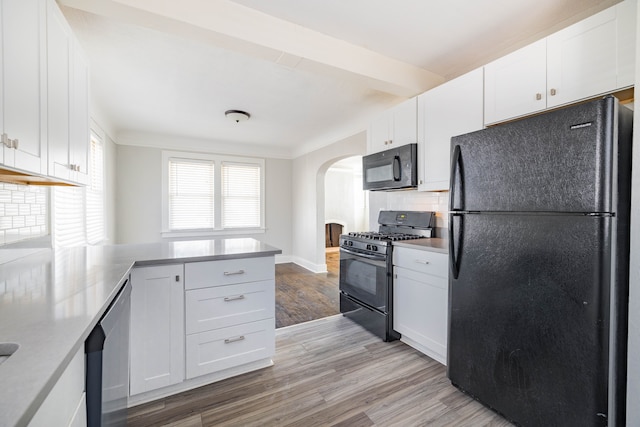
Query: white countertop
[433,244]
[50,301]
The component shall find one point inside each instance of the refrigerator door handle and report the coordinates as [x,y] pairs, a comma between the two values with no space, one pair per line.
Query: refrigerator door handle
[455,161]
[454,244]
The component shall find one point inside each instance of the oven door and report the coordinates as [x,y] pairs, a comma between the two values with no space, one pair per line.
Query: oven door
[364,277]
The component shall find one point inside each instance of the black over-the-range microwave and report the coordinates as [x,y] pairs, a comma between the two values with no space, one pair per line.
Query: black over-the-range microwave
[393,169]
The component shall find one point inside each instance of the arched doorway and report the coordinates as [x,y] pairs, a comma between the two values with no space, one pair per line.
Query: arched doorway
[345,205]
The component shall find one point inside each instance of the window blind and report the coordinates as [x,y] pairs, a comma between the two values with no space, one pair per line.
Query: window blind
[191,194]
[241,193]
[95,193]
[68,205]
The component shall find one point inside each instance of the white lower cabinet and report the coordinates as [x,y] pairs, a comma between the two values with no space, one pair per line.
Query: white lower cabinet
[421,300]
[220,349]
[65,404]
[216,322]
[230,312]
[157,327]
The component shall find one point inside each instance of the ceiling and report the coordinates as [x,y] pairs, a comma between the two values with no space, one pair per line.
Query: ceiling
[310,73]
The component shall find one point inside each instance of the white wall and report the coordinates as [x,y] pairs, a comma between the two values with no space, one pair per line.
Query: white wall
[139,198]
[309,195]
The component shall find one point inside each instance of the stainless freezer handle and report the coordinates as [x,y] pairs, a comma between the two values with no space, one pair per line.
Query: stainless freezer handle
[454,244]
[455,161]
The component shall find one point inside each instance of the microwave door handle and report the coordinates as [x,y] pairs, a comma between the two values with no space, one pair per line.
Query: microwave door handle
[396,168]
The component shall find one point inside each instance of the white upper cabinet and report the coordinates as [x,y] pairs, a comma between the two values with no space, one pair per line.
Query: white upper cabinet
[590,58]
[396,127]
[516,84]
[581,60]
[626,42]
[58,77]
[22,72]
[68,101]
[453,108]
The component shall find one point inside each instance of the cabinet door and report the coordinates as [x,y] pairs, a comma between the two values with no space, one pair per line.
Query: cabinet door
[442,117]
[58,99]
[581,59]
[157,327]
[420,307]
[23,29]
[378,134]
[405,123]
[626,17]
[79,116]
[515,85]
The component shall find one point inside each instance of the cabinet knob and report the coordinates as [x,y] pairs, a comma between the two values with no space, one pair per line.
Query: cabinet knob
[15,143]
[553,92]
[538,96]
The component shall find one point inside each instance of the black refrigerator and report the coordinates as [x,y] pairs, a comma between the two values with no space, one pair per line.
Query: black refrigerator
[539,260]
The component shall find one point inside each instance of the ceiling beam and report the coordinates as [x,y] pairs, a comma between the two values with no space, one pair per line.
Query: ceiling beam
[235,27]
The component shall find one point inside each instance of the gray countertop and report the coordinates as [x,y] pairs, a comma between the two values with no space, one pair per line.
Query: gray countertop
[433,244]
[50,301]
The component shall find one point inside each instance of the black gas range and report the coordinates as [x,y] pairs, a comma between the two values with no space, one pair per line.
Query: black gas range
[366,280]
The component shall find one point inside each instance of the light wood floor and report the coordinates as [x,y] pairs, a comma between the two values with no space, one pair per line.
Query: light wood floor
[302,296]
[329,372]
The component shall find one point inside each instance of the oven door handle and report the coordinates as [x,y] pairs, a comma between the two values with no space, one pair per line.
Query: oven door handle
[368,256]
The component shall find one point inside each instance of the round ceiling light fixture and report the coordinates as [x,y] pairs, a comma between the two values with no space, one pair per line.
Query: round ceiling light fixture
[237,115]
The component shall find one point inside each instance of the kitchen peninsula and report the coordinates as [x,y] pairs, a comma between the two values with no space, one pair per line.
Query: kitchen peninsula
[51,300]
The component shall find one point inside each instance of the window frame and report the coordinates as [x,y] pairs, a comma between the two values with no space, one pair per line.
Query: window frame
[218,160]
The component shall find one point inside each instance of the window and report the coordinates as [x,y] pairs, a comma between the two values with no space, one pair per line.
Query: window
[95,192]
[78,212]
[212,194]
[241,196]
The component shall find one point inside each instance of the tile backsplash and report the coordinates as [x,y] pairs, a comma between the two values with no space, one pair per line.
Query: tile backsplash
[23,212]
[409,200]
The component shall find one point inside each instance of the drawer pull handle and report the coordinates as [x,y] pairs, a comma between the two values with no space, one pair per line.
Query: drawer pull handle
[227,299]
[419,261]
[231,273]
[236,339]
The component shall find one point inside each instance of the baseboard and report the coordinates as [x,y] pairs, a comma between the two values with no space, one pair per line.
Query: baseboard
[312,267]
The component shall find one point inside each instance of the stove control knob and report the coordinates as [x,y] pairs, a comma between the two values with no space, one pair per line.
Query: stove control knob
[374,248]
[368,247]
[350,242]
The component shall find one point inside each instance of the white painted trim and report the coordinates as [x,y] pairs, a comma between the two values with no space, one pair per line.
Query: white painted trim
[312,267]
[218,161]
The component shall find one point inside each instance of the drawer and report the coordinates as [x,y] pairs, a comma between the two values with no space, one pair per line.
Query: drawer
[214,351]
[229,271]
[223,306]
[434,263]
